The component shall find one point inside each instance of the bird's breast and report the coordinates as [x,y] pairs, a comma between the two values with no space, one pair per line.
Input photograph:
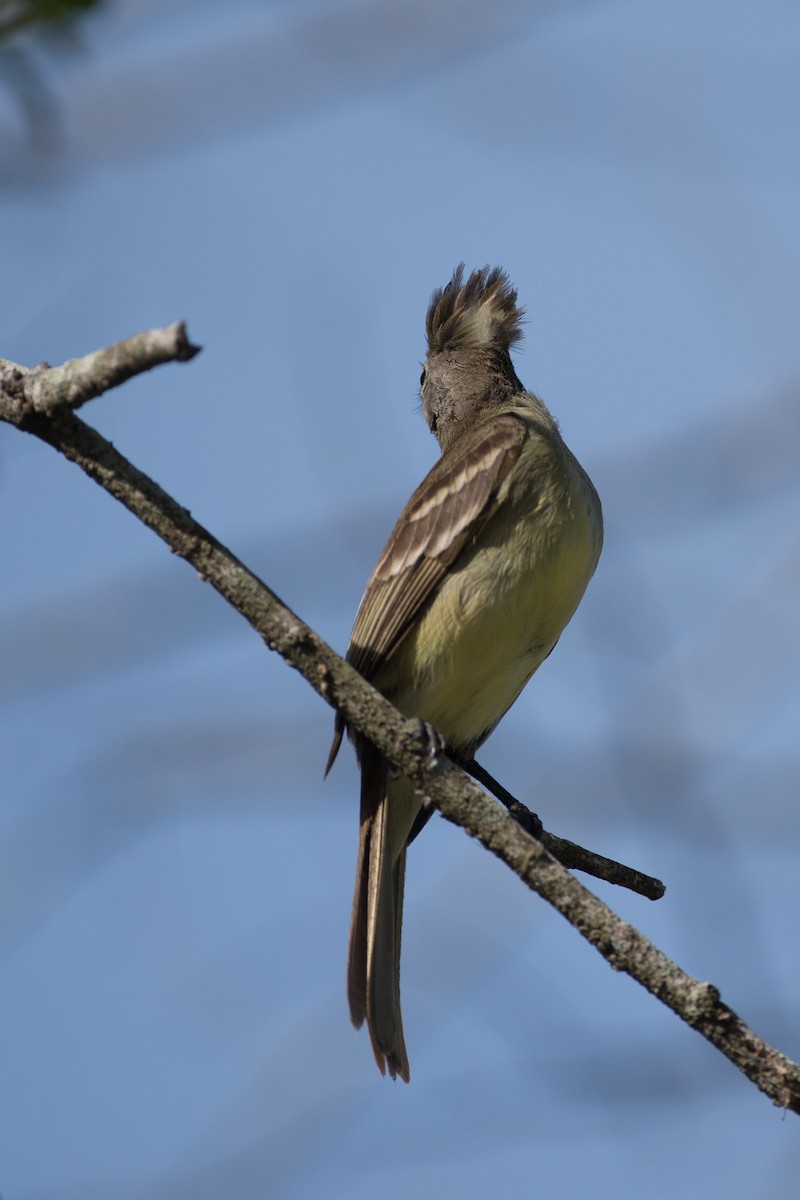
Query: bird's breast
[498,614]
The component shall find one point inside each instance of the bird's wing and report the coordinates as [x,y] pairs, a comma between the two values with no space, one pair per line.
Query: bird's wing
[450,506]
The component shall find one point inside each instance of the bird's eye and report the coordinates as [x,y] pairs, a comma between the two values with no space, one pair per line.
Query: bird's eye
[422,378]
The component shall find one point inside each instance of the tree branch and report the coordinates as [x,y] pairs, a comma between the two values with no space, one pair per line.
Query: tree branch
[46,389]
[439,782]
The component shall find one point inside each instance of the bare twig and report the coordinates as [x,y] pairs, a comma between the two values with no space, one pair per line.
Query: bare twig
[579,858]
[440,782]
[46,389]
[569,854]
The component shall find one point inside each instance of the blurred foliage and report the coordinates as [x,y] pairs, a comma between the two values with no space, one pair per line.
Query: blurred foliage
[29,31]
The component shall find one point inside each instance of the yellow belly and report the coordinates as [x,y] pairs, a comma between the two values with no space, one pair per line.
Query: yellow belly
[495,619]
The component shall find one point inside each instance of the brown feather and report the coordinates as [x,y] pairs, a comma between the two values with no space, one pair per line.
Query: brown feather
[481,312]
[449,507]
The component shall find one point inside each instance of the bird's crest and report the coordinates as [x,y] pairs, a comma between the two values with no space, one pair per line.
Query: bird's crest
[481,312]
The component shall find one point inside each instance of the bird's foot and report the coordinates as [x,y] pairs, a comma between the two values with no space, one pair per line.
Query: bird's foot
[427,740]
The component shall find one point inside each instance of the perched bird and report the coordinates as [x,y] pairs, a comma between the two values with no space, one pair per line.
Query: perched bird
[484,568]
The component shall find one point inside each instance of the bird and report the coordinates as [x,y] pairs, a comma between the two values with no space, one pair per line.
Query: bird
[484,568]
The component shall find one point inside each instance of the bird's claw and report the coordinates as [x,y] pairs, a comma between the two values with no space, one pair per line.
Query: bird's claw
[429,739]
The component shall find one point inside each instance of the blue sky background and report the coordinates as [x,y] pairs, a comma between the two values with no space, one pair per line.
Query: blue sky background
[293,179]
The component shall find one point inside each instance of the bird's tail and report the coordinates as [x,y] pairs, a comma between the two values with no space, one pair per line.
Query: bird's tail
[388,809]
